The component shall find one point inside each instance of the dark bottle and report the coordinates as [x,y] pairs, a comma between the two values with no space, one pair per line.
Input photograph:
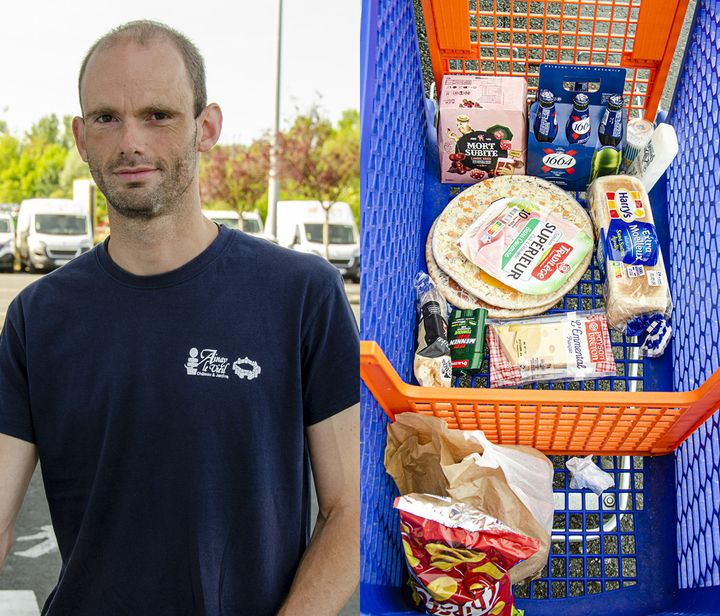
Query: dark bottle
[545,126]
[611,125]
[577,129]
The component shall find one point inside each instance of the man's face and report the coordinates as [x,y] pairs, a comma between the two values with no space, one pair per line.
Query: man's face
[138,133]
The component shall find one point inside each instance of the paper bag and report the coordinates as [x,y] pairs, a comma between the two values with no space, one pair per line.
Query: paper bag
[512,483]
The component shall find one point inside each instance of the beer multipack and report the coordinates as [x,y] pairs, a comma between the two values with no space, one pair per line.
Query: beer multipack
[482,127]
[577,124]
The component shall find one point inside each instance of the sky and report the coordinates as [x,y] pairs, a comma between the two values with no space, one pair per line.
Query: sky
[43,43]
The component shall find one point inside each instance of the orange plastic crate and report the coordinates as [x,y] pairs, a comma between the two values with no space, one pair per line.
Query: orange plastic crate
[512,37]
[557,422]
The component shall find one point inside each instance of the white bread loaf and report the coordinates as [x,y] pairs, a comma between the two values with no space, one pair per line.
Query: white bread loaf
[630,290]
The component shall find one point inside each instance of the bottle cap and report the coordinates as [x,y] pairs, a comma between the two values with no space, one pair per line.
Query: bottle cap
[616,102]
[581,101]
[546,98]
[639,131]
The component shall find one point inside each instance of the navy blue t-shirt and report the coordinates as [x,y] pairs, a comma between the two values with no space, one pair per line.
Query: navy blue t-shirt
[169,413]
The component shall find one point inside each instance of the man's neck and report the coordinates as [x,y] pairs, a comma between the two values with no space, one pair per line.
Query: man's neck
[147,248]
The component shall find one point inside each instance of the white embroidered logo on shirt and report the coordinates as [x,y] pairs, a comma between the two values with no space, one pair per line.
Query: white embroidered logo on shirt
[246,368]
[207,363]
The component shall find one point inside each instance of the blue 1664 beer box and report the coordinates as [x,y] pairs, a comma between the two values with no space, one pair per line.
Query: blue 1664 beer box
[560,158]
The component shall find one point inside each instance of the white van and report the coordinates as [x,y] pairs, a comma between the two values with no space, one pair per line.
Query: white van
[253,224]
[300,227]
[7,243]
[51,232]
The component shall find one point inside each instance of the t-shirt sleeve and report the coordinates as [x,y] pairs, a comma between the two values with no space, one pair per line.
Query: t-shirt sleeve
[15,418]
[330,355]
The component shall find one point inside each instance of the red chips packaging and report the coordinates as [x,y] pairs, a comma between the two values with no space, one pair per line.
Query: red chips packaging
[459,557]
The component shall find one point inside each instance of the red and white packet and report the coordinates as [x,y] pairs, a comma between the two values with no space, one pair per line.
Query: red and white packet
[459,557]
[583,336]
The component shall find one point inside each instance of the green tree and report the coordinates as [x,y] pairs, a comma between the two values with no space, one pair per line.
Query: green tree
[235,176]
[50,165]
[9,150]
[346,139]
[9,158]
[46,131]
[32,167]
[68,139]
[74,168]
[320,161]
[17,179]
[33,174]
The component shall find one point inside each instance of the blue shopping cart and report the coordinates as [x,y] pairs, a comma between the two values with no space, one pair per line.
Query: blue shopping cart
[651,545]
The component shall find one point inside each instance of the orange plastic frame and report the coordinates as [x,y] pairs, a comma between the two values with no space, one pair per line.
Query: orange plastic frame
[557,422]
[640,35]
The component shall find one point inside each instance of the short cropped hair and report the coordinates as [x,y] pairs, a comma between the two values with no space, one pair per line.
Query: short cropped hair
[145,31]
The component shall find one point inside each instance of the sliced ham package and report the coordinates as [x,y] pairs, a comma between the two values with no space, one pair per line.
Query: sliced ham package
[526,246]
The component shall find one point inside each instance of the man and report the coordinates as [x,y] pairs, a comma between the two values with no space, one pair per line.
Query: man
[173,380]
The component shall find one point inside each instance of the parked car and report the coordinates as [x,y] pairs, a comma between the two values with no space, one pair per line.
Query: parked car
[51,232]
[229,218]
[249,222]
[300,227]
[7,243]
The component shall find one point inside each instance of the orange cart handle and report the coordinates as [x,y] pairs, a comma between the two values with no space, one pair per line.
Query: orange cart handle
[625,423]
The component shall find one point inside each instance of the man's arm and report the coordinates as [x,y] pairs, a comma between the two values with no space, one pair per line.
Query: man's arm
[17,463]
[330,568]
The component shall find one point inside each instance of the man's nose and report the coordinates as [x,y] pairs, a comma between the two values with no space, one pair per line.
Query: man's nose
[131,138]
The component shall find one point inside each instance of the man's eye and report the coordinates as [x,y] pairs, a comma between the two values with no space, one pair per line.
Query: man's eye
[104,118]
[160,115]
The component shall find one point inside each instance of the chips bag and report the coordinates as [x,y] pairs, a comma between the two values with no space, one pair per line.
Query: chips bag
[459,557]
[510,483]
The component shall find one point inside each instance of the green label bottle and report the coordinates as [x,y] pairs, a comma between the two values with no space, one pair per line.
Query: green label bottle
[605,161]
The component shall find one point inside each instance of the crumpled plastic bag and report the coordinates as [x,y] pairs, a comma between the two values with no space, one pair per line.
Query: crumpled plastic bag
[586,474]
[511,483]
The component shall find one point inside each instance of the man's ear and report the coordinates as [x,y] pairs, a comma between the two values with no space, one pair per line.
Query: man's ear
[210,120]
[78,127]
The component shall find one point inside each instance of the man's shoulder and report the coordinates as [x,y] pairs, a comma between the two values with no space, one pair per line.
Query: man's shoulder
[60,282]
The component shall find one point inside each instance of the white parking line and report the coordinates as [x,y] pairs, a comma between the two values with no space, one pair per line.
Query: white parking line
[18,603]
[47,543]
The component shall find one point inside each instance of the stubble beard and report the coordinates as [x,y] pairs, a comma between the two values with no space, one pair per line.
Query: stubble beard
[135,201]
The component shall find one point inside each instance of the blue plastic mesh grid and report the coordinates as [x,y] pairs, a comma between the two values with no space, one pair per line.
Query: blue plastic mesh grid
[389,260]
[693,196]
[395,203]
[594,548]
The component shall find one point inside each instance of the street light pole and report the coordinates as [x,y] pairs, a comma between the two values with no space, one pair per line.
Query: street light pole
[273,184]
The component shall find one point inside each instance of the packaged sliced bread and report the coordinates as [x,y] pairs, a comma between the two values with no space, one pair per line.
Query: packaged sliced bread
[637,295]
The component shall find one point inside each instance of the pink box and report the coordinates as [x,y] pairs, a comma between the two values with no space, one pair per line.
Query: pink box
[482,130]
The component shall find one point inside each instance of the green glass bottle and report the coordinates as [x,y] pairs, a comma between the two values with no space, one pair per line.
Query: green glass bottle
[605,161]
